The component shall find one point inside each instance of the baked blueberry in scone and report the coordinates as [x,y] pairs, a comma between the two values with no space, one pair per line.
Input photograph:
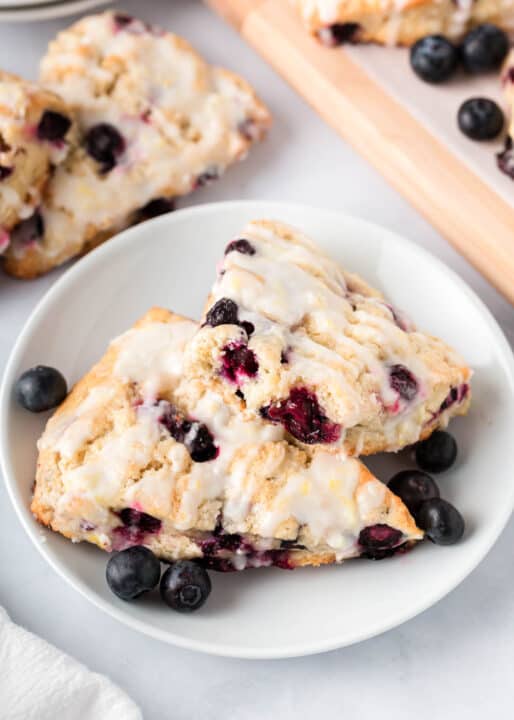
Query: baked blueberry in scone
[393,22]
[312,348]
[36,131]
[139,454]
[156,122]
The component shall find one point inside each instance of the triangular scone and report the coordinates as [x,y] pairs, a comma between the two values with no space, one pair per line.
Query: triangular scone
[390,22]
[316,349]
[506,158]
[137,454]
[156,122]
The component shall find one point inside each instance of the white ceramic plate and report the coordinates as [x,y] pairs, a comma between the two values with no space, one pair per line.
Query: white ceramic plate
[273,613]
[12,11]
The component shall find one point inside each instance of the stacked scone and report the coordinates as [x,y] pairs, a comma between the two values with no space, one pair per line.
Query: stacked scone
[153,121]
[234,442]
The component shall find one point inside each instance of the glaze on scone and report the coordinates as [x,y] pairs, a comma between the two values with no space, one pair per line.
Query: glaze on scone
[174,124]
[399,22]
[312,347]
[506,157]
[36,130]
[139,454]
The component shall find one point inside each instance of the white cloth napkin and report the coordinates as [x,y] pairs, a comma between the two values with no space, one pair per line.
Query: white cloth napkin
[39,682]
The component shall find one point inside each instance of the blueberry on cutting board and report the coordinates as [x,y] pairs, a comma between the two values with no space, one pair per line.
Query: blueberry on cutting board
[480,119]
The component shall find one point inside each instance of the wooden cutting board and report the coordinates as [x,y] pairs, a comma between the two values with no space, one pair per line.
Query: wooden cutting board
[367,95]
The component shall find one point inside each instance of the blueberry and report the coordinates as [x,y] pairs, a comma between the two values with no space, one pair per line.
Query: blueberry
[5,171]
[104,143]
[238,362]
[185,586]
[379,541]
[200,444]
[223,312]
[132,572]
[442,522]
[40,388]
[53,126]
[30,230]
[303,418]
[242,246]
[505,159]
[484,48]
[436,453]
[480,119]
[339,34]
[404,382]
[156,207]
[413,487]
[434,58]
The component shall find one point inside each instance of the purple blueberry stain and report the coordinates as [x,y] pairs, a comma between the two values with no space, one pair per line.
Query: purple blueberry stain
[136,528]
[87,526]
[105,144]
[379,541]
[241,246]
[303,418]
[403,382]
[238,363]
[121,20]
[53,126]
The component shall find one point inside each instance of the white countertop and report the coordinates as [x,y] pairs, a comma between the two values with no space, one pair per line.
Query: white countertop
[453,661]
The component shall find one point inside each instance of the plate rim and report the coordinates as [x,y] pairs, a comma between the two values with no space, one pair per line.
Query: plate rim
[101,255]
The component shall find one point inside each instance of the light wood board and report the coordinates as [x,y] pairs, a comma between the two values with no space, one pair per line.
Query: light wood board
[462,203]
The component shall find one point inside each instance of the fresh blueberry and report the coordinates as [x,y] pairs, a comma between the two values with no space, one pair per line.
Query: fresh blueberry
[53,126]
[185,586]
[434,58]
[223,312]
[40,388]
[404,382]
[413,487]
[196,437]
[104,143]
[339,34]
[484,48]
[480,119]
[132,572]
[442,522]
[505,159]
[436,453]
[303,418]
[5,171]
[241,246]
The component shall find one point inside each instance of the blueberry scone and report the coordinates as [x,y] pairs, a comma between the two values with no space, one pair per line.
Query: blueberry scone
[399,22]
[36,131]
[506,158]
[140,454]
[314,349]
[156,121]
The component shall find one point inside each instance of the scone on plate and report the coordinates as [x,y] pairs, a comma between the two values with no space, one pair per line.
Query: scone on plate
[310,347]
[506,158]
[36,131]
[393,22]
[140,454]
[156,121]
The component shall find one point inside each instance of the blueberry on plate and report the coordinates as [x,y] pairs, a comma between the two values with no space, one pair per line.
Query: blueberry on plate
[185,586]
[40,388]
[413,487]
[442,522]
[484,48]
[132,572]
[433,58]
[480,119]
[436,453]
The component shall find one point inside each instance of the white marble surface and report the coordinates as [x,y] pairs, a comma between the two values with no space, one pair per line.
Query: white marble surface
[456,659]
